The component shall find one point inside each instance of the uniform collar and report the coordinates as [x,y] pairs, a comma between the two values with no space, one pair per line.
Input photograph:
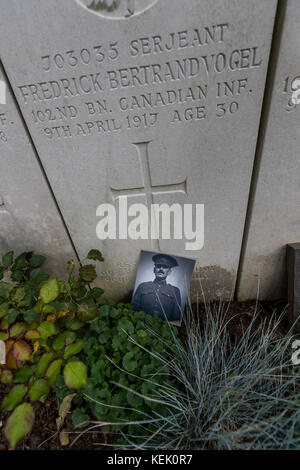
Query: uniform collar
[160,283]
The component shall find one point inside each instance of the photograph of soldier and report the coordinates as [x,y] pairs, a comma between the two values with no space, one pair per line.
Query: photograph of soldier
[165,294]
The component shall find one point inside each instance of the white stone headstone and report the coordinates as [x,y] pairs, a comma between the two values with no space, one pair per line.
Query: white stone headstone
[29,219]
[275,220]
[158,100]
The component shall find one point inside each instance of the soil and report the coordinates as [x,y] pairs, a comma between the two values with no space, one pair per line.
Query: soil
[44,434]
[239,315]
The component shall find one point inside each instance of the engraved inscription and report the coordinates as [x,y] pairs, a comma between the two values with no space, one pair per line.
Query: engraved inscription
[3,125]
[292,89]
[169,78]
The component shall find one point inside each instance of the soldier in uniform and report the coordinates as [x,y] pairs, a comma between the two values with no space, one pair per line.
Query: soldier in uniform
[157,297]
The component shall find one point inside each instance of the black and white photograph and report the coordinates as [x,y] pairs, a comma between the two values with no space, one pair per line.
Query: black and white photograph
[162,284]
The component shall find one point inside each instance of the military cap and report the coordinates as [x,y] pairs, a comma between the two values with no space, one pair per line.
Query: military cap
[165,259]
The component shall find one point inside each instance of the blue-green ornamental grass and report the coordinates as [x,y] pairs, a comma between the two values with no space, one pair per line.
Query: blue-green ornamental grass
[223,395]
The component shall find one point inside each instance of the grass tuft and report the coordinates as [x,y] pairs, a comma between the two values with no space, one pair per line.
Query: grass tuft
[241,394]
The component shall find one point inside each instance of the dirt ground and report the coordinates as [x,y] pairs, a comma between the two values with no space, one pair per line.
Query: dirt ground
[44,434]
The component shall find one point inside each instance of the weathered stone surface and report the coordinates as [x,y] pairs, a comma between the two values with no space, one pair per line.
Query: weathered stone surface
[293,270]
[29,220]
[162,104]
[275,219]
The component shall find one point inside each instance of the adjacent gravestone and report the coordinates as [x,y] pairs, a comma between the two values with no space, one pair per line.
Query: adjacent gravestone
[156,100]
[275,218]
[293,270]
[29,220]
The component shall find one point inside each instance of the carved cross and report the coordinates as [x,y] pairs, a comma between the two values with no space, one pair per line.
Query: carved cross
[148,189]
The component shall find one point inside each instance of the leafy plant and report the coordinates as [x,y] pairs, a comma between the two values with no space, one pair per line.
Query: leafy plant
[227,395]
[120,373]
[39,322]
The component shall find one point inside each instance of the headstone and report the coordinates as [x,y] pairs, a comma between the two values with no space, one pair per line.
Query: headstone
[29,219]
[156,100]
[293,270]
[275,218]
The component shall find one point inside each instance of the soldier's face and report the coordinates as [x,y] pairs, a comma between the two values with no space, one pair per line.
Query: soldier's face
[161,271]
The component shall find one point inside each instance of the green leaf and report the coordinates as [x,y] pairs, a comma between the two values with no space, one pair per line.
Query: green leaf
[2,271]
[148,369]
[129,363]
[73,349]
[80,292]
[70,337]
[53,371]
[75,374]
[142,335]
[3,336]
[50,291]
[87,313]
[32,335]
[14,397]
[88,272]
[31,316]
[39,276]
[7,377]
[117,342]
[17,329]
[134,400]
[21,351]
[20,261]
[37,261]
[49,309]
[19,424]
[96,255]
[104,336]
[148,389]
[43,363]
[94,293]
[46,329]
[126,325]
[104,311]
[4,324]
[5,289]
[7,259]
[23,374]
[80,418]
[75,325]
[17,275]
[4,309]
[12,316]
[39,390]
[17,294]
[38,307]
[59,342]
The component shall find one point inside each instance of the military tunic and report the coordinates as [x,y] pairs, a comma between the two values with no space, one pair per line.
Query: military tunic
[158,298]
